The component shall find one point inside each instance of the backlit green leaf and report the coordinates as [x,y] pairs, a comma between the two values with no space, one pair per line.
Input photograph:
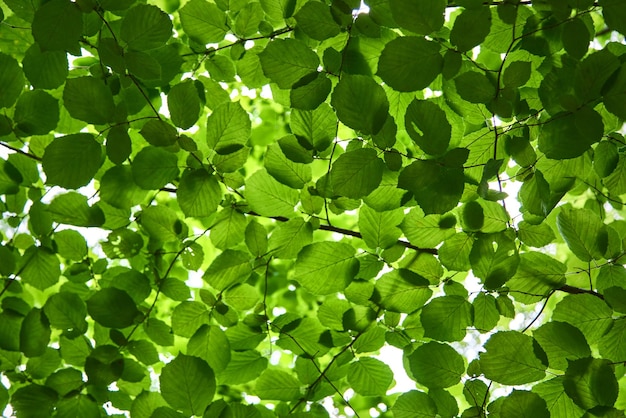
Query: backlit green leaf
[569,135]
[447,318]
[89,99]
[357,173]
[436,365]
[315,19]
[112,308]
[587,313]
[287,61]
[184,105]
[326,267]
[428,126]
[188,383]
[268,197]
[145,27]
[511,359]
[420,16]
[154,167]
[203,22]
[198,193]
[47,32]
[278,385]
[583,231]
[471,28]
[369,377]
[410,63]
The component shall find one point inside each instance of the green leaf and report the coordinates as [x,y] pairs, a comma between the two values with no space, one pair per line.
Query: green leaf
[153,168]
[523,403]
[589,314]
[248,19]
[145,27]
[494,266]
[256,238]
[89,99]
[71,244]
[72,208]
[447,318]
[243,367]
[112,308]
[403,291]
[228,268]
[47,32]
[420,16]
[615,94]
[36,113]
[184,104]
[360,103]
[486,314]
[379,229]
[290,237]
[277,385]
[289,173]
[569,135]
[34,401]
[455,252]
[583,231]
[11,80]
[144,351]
[576,38]
[410,63]
[78,405]
[612,345]
[471,28]
[161,223]
[436,365]
[511,359]
[315,20]
[66,311]
[317,128]
[427,231]
[228,128]
[34,333]
[118,189]
[210,344]
[517,74]
[475,87]
[428,126]
[188,383]
[591,382]
[198,193]
[369,376]
[228,229]
[326,267]
[414,404]
[436,187]
[559,404]
[614,13]
[159,133]
[536,276]
[357,173]
[159,332]
[535,235]
[187,317]
[268,197]
[287,61]
[203,22]
[118,145]
[562,342]
[40,267]
[72,161]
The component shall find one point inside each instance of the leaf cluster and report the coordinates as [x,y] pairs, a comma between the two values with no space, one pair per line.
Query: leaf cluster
[241,208]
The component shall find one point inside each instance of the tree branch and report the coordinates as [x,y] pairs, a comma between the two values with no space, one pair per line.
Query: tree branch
[576,291]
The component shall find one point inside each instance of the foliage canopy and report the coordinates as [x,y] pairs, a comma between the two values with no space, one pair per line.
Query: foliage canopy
[228,208]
